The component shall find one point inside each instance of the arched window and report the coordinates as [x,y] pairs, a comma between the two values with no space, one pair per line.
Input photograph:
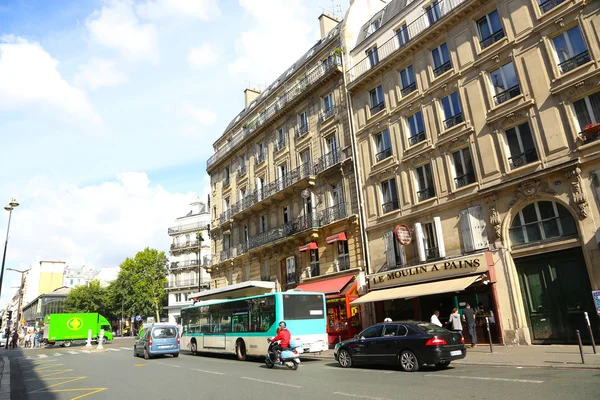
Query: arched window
[542,220]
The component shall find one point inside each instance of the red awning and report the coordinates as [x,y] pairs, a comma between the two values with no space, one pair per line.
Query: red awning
[333,286]
[310,246]
[335,238]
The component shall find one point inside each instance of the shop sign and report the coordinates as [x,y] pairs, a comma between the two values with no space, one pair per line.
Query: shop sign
[336,300]
[596,296]
[444,269]
[402,233]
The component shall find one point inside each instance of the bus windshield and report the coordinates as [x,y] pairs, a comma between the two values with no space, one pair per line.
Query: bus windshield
[309,306]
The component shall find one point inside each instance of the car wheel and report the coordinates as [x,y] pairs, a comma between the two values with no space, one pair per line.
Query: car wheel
[147,355]
[67,343]
[408,361]
[175,355]
[240,350]
[442,365]
[194,347]
[345,358]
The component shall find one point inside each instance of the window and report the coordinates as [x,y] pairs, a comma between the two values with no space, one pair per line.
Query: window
[226,178]
[229,277]
[547,5]
[505,83]
[343,255]
[416,128]
[373,56]
[314,263]
[473,231]
[430,241]
[542,220]
[266,272]
[372,332]
[262,223]
[383,145]
[242,166]
[260,153]
[407,81]
[242,194]
[587,111]
[376,100]
[424,178]
[452,110]
[328,109]
[282,176]
[177,297]
[441,60]
[389,195]
[570,50]
[402,35]
[286,215]
[373,26]
[302,124]
[305,306]
[280,139]
[290,270]
[260,184]
[520,146]
[490,29]
[433,12]
[464,174]
[246,238]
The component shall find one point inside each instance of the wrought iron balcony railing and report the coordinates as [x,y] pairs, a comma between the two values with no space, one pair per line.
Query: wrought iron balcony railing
[289,229]
[589,137]
[333,213]
[382,155]
[328,160]
[241,171]
[524,158]
[225,216]
[409,89]
[205,262]
[377,107]
[418,138]
[327,113]
[574,62]
[391,206]
[490,40]
[507,94]
[454,120]
[549,5]
[260,158]
[185,245]
[320,70]
[408,34]
[442,68]
[241,248]
[198,226]
[280,144]
[425,194]
[301,130]
[226,254]
[464,180]
[315,269]
[432,253]
[343,262]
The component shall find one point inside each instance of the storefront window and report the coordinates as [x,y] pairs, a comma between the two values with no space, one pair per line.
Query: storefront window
[542,220]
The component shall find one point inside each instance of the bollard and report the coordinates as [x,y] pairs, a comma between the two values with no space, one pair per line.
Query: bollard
[580,346]
[487,324]
[100,340]
[89,339]
[587,320]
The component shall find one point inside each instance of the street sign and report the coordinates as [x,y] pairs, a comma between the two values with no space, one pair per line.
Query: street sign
[138,318]
[25,324]
[596,296]
[132,319]
[402,233]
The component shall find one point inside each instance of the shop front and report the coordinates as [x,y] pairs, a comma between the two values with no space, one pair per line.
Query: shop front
[343,318]
[416,292]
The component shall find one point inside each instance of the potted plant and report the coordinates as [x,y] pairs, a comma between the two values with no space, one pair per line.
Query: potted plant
[591,129]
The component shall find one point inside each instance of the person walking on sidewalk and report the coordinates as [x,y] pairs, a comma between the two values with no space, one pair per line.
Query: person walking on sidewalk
[15,339]
[469,316]
[435,318]
[454,321]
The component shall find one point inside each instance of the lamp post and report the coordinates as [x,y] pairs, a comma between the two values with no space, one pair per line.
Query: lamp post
[9,207]
[20,294]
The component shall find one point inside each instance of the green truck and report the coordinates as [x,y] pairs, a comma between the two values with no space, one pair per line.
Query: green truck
[67,328]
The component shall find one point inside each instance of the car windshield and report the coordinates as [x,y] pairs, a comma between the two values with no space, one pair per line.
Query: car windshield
[431,328]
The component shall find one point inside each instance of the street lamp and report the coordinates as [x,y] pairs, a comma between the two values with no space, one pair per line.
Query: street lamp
[9,207]
[20,297]
[199,240]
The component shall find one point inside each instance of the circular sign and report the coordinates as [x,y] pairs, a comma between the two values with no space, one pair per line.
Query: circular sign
[402,233]
[75,324]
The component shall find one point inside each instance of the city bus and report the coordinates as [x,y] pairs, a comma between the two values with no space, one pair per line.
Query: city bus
[241,326]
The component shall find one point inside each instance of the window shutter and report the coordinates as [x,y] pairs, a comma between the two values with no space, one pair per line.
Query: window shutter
[439,234]
[419,242]
[465,231]
[478,229]
[390,256]
[401,252]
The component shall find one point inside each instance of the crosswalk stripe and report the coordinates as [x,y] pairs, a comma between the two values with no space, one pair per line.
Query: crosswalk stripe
[57,355]
[72,352]
[42,356]
[126,348]
[114,350]
[85,351]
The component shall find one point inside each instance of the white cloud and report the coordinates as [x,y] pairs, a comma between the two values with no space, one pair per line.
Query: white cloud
[199,9]
[29,77]
[202,56]
[117,26]
[99,73]
[202,116]
[278,24]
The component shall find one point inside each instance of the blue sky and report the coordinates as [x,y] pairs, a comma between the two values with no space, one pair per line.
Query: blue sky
[109,108]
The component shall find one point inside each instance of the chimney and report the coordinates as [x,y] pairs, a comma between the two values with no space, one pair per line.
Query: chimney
[326,23]
[250,95]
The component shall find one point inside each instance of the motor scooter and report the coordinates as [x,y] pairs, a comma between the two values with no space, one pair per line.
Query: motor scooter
[289,357]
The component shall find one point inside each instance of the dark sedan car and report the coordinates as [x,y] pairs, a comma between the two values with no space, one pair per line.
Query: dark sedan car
[409,344]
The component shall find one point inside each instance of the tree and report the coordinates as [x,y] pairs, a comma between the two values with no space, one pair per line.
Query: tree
[140,284]
[91,298]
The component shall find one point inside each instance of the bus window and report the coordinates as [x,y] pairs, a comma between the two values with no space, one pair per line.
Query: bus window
[262,314]
[308,306]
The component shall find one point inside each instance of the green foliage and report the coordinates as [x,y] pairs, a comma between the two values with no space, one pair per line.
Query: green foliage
[92,298]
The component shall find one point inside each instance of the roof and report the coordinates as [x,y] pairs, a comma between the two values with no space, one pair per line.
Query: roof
[386,14]
[302,61]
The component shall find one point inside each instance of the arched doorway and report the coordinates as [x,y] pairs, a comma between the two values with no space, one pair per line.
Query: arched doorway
[555,285]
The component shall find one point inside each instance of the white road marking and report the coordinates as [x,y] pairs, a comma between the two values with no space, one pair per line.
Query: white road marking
[42,356]
[169,365]
[483,378]
[72,352]
[271,382]
[57,355]
[114,350]
[85,351]
[126,348]
[208,372]
[359,396]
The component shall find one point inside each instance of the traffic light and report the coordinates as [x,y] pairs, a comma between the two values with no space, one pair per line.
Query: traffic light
[9,315]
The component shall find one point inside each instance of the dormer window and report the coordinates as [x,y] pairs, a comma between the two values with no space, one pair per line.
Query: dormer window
[310,53]
[373,26]
[291,70]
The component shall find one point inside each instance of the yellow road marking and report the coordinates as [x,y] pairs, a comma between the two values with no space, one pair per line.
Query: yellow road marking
[53,373]
[42,368]
[138,365]
[94,391]
[58,384]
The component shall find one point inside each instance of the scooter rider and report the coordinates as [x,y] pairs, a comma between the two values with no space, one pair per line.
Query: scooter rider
[284,336]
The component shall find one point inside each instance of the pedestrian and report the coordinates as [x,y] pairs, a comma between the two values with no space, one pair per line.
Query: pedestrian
[435,318]
[27,338]
[15,339]
[36,338]
[469,317]
[454,321]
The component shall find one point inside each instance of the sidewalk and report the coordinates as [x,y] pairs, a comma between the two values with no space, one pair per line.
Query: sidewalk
[552,356]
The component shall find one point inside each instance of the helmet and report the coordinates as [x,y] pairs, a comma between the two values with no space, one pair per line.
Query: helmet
[282,324]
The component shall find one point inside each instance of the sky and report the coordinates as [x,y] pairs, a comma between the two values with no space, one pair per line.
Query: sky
[109,109]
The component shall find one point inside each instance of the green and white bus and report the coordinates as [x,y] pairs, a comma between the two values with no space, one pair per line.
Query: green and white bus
[241,326]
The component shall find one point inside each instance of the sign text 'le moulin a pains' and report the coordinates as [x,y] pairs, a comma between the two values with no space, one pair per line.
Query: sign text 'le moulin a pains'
[472,264]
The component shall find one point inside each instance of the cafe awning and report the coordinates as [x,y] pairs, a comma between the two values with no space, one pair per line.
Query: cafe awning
[333,286]
[336,237]
[309,246]
[423,289]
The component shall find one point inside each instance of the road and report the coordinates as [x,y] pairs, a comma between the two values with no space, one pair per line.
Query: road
[61,374]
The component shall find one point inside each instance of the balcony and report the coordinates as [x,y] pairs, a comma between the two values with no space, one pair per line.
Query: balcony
[198,226]
[453,121]
[225,216]
[382,155]
[334,213]
[409,89]
[205,262]
[442,68]
[524,158]
[289,98]
[507,94]
[464,180]
[301,130]
[418,138]
[186,245]
[490,40]
[241,171]
[390,206]
[574,62]
[432,253]
[549,5]
[280,144]
[187,283]
[409,34]
[314,270]
[590,136]
[260,158]
[327,113]
[425,194]
[377,107]
[289,229]
[241,248]
[328,160]
[226,254]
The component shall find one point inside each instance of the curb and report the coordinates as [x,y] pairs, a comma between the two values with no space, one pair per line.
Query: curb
[5,380]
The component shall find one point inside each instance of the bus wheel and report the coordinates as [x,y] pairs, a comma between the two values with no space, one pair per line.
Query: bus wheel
[194,347]
[240,350]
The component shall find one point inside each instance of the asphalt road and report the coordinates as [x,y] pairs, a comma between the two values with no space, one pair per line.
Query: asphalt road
[63,374]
